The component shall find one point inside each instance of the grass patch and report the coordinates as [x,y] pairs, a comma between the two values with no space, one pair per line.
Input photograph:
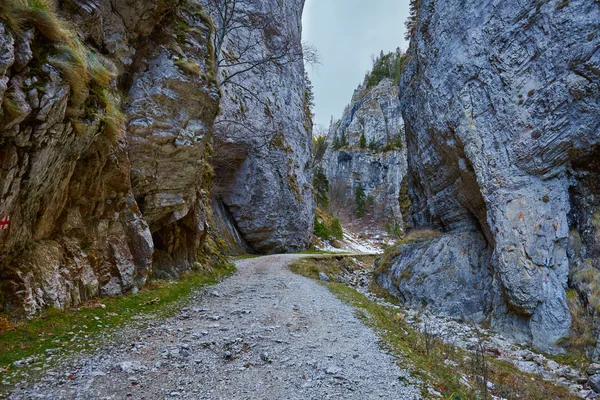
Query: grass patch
[246,257]
[81,68]
[60,329]
[113,119]
[189,66]
[452,371]
[334,266]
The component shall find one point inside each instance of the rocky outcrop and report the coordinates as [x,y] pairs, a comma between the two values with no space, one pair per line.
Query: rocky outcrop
[99,200]
[378,165]
[264,131]
[448,273]
[501,104]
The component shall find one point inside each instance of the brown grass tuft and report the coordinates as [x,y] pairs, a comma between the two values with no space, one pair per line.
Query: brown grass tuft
[188,66]
[114,119]
[72,64]
[43,16]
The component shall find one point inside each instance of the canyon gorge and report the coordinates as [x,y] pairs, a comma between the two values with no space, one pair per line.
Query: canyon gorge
[146,140]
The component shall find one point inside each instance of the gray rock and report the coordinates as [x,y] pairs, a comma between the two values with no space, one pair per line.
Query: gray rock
[497,118]
[448,273]
[265,357]
[324,277]
[594,383]
[593,369]
[94,212]
[263,145]
[130,367]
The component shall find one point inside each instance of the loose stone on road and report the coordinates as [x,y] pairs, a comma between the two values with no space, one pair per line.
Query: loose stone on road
[264,333]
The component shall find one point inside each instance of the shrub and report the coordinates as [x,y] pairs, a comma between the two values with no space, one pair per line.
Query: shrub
[394,229]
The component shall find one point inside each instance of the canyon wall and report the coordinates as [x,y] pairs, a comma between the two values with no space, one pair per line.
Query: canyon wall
[264,133]
[106,150]
[501,103]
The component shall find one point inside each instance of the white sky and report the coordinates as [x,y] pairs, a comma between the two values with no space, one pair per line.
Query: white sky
[346,33]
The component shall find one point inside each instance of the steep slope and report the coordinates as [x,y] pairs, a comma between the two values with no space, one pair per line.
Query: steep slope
[99,200]
[366,148]
[501,105]
[264,131]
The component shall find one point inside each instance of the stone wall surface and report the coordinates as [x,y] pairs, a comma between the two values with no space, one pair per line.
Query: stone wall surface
[99,200]
[501,102]
[265,130]
[107,163]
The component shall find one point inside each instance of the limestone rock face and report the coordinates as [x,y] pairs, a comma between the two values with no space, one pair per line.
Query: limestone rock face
[263,134]
[171,111]
[501,103]
[93,202]
[452,275]
[380,166]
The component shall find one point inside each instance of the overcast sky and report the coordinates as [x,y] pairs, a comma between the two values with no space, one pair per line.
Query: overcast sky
[346,33]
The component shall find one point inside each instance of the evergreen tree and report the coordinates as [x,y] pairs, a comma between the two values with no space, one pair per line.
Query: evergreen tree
[411,21]
[344,139]
[363,141]
[336,143]
[321,185]
[360,198]
[372,145]
[336,229]
[309,97]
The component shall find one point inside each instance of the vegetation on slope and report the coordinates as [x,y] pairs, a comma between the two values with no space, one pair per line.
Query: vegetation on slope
[386,66]
[327,227]
[88,74]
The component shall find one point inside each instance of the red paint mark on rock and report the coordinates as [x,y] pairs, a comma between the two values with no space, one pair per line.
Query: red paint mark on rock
[4,223]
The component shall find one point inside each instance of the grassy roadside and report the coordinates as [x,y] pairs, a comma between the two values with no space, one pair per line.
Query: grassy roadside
[449,370]
[77,330]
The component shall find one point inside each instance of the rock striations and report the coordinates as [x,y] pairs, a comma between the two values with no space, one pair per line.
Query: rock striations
[106,144]
[501,103]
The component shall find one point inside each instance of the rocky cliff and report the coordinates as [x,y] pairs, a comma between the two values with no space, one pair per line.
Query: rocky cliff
[501,103]
[378,164]
[264,133]
[106,144]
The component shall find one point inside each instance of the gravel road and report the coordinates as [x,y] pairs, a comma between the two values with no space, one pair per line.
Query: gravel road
[264,333]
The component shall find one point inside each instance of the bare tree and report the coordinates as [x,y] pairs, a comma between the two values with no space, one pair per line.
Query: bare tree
[249,41]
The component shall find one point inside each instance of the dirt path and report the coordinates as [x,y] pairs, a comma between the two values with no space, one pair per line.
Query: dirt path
[264,333]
